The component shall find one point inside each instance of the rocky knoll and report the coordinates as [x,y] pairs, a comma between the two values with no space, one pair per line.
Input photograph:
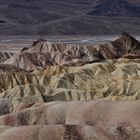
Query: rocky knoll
[65,92]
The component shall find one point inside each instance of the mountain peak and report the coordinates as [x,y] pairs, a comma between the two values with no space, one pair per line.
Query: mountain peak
[126,37]
[115,8]
[127,43]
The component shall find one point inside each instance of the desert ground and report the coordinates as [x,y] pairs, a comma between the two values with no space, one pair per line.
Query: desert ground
[70,88]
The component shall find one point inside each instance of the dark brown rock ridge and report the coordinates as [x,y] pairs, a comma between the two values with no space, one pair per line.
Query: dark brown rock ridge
[44,53]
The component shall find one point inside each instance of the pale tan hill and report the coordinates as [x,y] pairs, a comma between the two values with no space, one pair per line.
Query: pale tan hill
[68,132]
[97,113]
[98,119]
[111,80]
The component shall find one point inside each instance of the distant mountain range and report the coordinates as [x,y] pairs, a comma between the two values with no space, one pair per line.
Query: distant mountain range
[69,17]
[115,8]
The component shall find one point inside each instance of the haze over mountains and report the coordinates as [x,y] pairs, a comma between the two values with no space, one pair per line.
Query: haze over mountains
[65,17]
